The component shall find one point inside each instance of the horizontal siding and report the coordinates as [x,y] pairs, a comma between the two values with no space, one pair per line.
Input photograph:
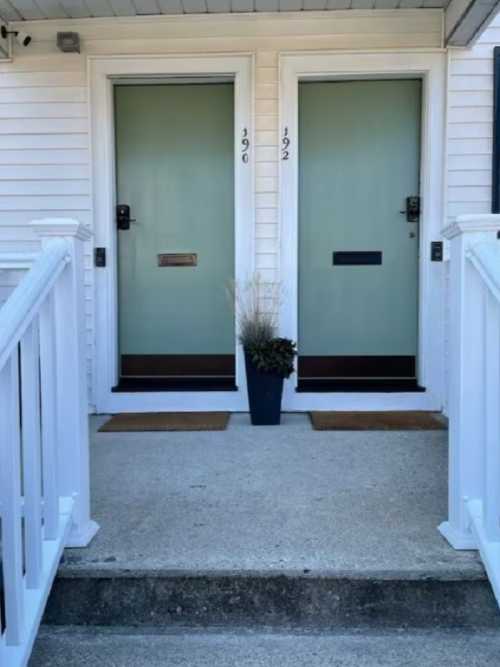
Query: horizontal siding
[44,142]
[9,278]
[44,158]
[470,125]
[470,130]
[43,110]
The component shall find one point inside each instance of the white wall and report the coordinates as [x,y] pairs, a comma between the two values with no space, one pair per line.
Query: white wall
[470,127]
[44,140]
[8,280]
[470,124]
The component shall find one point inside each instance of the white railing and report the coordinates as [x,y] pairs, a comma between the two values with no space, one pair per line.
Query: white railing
[44,477]
[474,391]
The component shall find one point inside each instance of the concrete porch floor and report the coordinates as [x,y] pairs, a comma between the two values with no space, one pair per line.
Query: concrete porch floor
[271,499]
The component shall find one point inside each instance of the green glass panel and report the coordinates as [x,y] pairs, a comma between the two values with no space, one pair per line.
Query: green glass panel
[175,168]
[359,160]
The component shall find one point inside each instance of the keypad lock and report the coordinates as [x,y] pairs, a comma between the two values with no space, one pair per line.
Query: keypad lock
[123,218]
[412,210]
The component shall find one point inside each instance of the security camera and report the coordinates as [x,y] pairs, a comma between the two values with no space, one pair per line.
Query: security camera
[22,38]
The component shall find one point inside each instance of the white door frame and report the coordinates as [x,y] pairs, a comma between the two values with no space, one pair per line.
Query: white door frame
[103,73]
[430,67]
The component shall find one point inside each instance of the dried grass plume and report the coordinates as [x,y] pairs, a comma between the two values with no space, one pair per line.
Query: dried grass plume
[256,305]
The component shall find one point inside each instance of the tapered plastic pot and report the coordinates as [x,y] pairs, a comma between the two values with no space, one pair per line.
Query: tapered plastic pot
[265,391]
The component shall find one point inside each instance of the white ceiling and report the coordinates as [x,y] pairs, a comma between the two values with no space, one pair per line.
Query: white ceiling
[16,10]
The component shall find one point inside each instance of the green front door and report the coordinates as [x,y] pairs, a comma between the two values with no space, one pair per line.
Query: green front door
[358,255]
[174,169]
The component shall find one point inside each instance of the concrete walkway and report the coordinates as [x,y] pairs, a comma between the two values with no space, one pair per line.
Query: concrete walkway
[271,498]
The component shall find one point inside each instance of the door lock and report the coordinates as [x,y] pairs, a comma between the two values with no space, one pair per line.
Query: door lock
[412,210]
[123,218]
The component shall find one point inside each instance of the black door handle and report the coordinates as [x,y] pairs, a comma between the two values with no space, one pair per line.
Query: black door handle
[412,210]
[123,218]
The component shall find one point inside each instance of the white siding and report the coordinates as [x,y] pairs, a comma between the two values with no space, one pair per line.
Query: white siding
[470,125]
[44,141]
[8,280]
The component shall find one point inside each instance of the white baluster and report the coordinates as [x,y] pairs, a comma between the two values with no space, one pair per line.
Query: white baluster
[49,431]
[30,411]
[492,419]
[10,489]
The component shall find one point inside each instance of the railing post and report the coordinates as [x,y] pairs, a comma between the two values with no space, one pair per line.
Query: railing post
[71,376]
[466,385]
[492,419]
[10,480]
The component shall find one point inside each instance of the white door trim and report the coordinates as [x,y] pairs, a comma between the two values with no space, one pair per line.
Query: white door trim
[103,71]
[430,67]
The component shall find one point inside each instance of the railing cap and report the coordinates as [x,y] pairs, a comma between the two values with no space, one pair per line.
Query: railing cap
[62,227]
[467,224]
[21,307]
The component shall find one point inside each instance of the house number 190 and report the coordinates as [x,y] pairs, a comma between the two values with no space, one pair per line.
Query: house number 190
[245,143]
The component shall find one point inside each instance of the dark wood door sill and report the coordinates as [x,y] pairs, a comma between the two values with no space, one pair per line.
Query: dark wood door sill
[175,384]
[383,385]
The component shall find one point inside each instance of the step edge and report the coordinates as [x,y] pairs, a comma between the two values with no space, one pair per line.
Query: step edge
[104,572]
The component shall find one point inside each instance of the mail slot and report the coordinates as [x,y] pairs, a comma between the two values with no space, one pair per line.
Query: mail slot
[178,259]
[357,258]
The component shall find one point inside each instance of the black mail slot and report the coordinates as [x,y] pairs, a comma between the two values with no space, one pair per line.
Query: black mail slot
[357,258]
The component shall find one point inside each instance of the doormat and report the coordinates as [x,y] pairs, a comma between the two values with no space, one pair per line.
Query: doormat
[378,421]
[166,421]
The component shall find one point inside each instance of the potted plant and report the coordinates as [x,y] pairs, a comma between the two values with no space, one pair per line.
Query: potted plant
[268,358]
[267,364]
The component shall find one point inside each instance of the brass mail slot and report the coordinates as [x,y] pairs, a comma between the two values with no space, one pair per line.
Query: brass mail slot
[178,259]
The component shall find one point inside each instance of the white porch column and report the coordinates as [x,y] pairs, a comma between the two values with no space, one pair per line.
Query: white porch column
[71,376]
[466,384]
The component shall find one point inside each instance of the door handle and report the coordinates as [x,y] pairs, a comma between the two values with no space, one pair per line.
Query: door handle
[123,218]
[412,210]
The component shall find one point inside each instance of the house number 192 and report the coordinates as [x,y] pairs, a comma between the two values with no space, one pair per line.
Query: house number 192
[285,144]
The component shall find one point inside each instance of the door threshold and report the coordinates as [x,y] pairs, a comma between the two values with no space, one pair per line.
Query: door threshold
[174,384]
[379,385]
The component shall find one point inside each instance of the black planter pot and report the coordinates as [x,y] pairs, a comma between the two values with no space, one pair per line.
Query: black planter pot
[264,395]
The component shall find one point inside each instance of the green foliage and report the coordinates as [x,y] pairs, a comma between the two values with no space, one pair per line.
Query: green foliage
[274,356]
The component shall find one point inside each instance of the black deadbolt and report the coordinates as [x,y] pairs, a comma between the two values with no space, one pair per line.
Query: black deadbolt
[412,210]
[123,219]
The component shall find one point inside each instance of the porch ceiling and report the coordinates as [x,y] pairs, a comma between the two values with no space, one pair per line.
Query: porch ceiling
[464,19]
[15,10]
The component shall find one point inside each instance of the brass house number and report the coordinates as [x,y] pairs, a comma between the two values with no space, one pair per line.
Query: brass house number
[178,259]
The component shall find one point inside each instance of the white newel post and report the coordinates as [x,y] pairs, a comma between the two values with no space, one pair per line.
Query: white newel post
[466,381]
[71,376]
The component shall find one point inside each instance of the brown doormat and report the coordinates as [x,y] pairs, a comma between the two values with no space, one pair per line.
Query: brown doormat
[378,421]
[166,421]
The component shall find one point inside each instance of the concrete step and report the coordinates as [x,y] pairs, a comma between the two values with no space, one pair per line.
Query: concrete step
[253,599]
[130,647]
